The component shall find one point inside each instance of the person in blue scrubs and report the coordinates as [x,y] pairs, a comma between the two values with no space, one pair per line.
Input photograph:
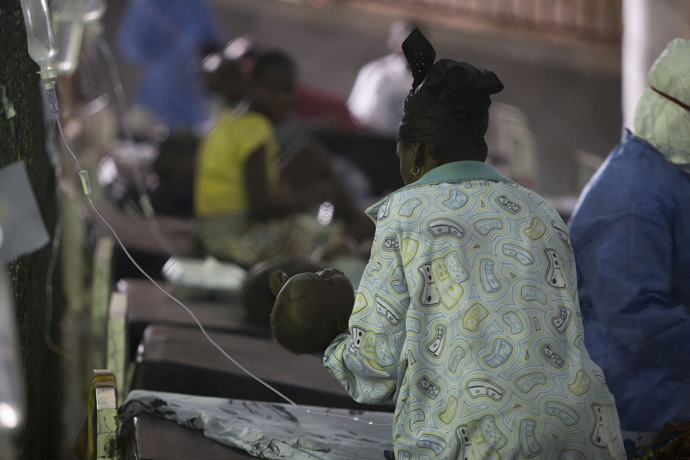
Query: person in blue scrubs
[631,235]
[167,37]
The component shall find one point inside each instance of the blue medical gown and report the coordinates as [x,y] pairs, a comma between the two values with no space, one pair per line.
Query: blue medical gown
[631,235]
[166,36]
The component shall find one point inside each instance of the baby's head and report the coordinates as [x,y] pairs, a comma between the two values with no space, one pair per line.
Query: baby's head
[310,309]
[256,294]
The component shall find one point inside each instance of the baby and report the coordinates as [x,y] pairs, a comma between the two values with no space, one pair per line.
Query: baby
[310,309]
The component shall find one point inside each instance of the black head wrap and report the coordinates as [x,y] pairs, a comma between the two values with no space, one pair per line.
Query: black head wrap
[449,100]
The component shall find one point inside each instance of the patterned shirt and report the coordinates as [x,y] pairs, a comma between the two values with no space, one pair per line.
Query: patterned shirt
[467,317]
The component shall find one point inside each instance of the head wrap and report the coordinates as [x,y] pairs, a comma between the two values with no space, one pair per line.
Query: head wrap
[662,116]
[449,100]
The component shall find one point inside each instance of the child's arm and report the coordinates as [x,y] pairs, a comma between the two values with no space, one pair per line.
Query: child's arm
[263,204]
[318,183]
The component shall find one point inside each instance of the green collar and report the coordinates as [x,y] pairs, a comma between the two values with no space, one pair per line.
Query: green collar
[460,170]
[449,172]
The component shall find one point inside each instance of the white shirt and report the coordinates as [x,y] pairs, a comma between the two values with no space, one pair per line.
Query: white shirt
[376,99]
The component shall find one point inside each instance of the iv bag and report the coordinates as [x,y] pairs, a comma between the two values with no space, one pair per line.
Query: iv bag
[42,45]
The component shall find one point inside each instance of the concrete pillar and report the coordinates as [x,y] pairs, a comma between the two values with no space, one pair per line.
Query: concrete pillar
[648,25]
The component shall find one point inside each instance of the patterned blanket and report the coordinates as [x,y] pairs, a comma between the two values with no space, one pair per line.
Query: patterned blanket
[271,430]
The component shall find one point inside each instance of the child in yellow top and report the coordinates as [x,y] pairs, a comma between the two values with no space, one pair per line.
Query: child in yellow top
[245,215]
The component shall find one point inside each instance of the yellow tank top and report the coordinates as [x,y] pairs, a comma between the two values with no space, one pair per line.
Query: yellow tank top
[219,187]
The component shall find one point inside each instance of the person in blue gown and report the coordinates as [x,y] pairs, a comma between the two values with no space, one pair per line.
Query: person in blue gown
[167,38]
[630,233]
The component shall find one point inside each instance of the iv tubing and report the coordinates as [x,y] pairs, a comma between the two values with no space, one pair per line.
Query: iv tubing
[116,81]
[48,78]
[83,175]
[203,330]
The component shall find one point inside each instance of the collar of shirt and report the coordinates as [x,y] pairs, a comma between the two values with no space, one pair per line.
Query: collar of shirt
[449,172]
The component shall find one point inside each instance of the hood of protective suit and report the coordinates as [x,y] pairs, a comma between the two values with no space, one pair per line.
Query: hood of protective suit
[662,116]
